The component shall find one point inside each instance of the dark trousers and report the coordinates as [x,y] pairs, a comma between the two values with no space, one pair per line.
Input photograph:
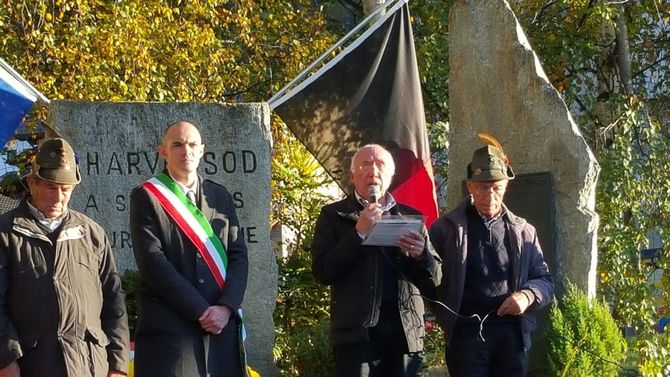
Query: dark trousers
[368,359]
[43,357]
[384,355]
[501,353]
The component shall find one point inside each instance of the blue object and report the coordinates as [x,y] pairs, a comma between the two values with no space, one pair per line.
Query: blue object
[16,99]
[662,323]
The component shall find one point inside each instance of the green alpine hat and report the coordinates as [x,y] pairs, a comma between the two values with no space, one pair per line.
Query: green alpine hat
[55,162]
[489,163]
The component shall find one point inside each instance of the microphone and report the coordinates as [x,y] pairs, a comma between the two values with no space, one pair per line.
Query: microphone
[374,193]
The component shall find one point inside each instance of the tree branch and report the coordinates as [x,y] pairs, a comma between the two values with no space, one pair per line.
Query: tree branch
[538,15]
[652,65]
[586,14]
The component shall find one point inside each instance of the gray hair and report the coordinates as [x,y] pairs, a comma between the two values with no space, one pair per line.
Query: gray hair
[390,162]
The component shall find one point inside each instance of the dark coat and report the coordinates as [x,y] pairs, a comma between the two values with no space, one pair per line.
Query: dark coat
[63,310]
[176,287]
[449,235]
[353,272]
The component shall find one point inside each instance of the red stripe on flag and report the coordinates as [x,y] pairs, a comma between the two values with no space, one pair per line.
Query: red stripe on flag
[418,191]
[186,228]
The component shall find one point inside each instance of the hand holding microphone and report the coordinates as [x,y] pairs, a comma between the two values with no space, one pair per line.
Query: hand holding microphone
[370,214]
[373,192]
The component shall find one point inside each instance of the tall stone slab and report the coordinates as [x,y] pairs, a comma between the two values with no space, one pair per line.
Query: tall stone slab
[116,144]
[497,85]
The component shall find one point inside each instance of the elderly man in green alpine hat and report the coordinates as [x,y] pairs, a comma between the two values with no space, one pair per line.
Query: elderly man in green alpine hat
[62,308]
[493,275]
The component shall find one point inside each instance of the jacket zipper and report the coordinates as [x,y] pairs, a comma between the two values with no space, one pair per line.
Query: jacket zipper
[373,318]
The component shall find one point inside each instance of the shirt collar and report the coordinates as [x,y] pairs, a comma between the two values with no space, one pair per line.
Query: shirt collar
[46,224]
[184,188]
[390,201]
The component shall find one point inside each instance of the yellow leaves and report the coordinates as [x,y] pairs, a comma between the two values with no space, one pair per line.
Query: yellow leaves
[137,50]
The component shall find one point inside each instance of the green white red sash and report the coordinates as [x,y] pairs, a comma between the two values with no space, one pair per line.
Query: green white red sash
[192,222]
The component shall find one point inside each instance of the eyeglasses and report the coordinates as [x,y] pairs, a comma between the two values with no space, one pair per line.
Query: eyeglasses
[496,189]
[367,165]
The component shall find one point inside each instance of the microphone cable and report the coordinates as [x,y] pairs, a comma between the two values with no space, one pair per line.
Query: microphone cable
[476,317]
[482,320]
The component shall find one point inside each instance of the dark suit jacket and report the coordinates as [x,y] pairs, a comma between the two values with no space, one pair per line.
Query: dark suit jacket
[354,273]
[176,287]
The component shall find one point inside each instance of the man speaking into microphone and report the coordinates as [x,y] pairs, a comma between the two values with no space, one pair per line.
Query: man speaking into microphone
[376,311]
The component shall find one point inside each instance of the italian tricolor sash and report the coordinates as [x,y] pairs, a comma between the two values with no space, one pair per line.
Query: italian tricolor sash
[192,222]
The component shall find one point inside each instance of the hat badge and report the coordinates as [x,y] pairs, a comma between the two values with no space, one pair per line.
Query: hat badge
[60,154]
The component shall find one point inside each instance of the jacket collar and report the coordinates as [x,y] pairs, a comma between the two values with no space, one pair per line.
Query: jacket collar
[201,195]
[350,208]
[459,214]
[389,201]
[48,224]
[25,223]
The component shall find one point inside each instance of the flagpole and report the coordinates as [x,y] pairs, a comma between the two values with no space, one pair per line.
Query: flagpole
[280,97]
[23,81]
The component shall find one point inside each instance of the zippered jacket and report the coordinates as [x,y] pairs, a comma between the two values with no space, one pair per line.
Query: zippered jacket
[449,235]
[353,272]
[62,308]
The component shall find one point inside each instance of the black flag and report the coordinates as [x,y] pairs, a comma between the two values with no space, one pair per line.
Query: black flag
[369,93]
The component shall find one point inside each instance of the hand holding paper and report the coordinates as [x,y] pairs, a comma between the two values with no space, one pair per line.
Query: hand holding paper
[388,230]
[412,243]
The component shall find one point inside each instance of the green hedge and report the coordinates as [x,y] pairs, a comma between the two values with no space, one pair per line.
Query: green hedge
[584,339]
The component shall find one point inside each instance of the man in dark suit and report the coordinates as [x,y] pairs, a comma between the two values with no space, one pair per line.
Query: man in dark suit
[191,284]
[376,310]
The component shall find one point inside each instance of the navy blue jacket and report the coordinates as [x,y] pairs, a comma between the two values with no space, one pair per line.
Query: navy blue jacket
[449,235]
[176,287]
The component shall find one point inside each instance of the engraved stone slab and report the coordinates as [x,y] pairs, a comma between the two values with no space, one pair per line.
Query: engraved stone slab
[116,144]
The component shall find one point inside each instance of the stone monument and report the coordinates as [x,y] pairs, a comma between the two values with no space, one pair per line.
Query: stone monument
[116,146]
[497,85]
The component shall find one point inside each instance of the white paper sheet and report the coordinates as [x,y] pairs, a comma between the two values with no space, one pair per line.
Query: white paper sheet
[389,228]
